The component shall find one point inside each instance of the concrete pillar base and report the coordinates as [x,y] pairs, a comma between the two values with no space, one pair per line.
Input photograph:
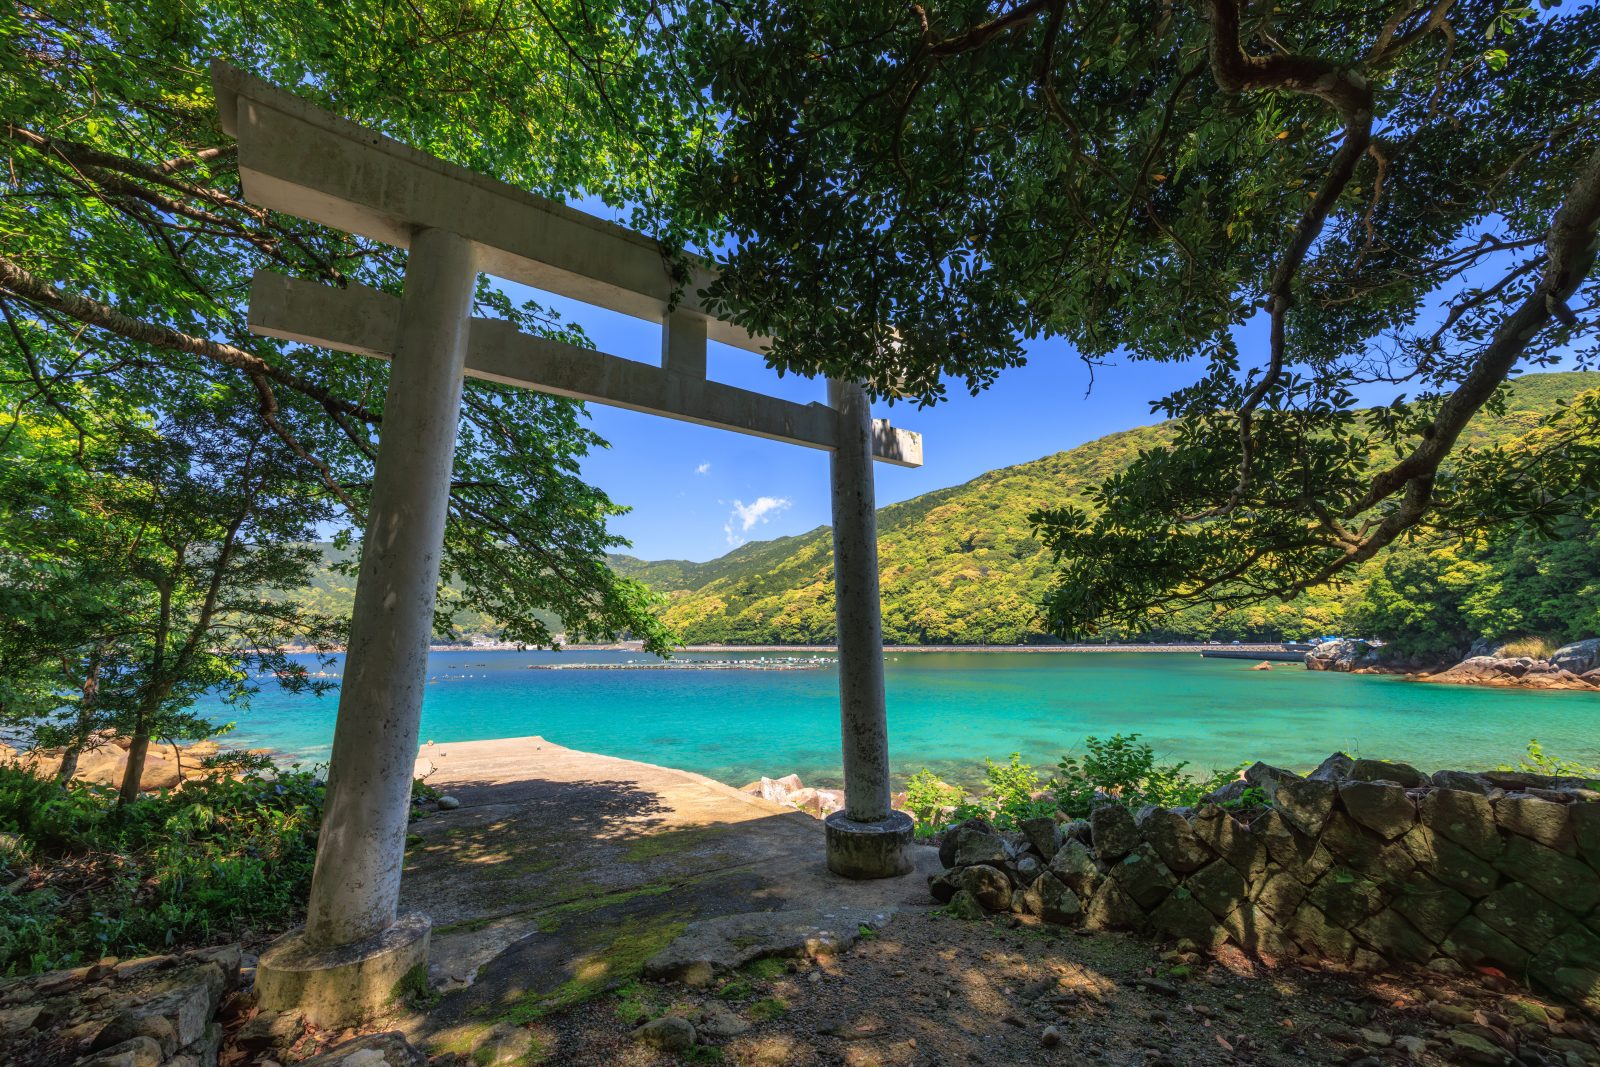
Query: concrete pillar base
[869,849]
[345,985]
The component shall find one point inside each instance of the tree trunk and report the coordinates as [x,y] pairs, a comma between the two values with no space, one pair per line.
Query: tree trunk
[135,770]
[86,709]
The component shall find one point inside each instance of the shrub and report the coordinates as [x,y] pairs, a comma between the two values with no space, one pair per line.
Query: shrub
[220,859]
[1125,768]
[929,799]
[1537,761]
[1012,793]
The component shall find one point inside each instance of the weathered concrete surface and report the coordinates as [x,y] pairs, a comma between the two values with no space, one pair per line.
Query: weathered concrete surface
[562,872]
[710,947]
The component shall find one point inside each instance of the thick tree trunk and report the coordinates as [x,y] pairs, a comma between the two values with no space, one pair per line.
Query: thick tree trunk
[135,770]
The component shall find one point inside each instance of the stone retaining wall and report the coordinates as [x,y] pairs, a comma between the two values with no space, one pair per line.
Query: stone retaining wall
[1362,863]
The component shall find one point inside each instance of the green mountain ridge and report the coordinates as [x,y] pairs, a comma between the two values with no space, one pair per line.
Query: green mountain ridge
[960,565]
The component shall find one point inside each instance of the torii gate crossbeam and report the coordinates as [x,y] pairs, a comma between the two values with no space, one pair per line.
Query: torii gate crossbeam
[301,160]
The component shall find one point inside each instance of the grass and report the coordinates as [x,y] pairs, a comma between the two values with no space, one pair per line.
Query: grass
[767,1009]
[1533,647]
[669,842]
[766,969]
[607,967]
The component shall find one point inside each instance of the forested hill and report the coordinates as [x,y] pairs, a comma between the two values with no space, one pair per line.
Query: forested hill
[960,565]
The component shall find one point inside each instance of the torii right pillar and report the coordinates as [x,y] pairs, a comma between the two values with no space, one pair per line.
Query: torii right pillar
[868,839]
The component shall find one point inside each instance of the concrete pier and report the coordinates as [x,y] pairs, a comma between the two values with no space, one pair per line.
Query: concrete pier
[868,839]
[354,946]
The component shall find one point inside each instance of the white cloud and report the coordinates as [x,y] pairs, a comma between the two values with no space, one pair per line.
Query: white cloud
[747,516]
[704,468]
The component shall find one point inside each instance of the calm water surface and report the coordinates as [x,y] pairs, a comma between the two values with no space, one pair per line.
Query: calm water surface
[947,710]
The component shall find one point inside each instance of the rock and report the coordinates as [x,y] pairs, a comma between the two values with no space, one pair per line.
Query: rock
[1472,943]
[720,1022]
[1174,840]
[1335,768]
[730,941]
[1546,822]
[129,1024]
[1280,893]
[448,803]
[1393,937]
[375,1050]
[1075,867]
[1346,899]
[1305,802]
[1311,928]
[943,885]
[1050,1037]
[1580,657]
[269,1030]
[974,847]
[1468,819]
[1057,903]
[1043,834]
[1255,931]
[776,790]
[951,839]
[1143,876]
[1522,915]
[1345,654]
[1182,916]
[1373,770]
[505,1045]
[1218,886]
[1383,809]
[1472,1049]
[1113,831]
[1027,868]
[1410,1046]
[1304,857]
[1585,819]
[670,1033]
[135,1052]
[988,885]
[1229,839]
[1112,909]
[1566,880]
[1462,780]
[1431,906]
[965,906]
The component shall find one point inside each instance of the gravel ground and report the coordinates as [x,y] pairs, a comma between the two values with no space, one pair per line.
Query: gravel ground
[930,989]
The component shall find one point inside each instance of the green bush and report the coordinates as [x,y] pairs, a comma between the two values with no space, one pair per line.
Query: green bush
[220,859]
[929,800]
[1126,768]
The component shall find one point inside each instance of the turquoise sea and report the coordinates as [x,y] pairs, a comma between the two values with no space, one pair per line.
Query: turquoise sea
[947,710]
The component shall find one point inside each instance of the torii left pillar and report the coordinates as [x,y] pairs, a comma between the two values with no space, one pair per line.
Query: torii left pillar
[355,948]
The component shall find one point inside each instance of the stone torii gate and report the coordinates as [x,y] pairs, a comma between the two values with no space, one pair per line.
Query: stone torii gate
[301,160]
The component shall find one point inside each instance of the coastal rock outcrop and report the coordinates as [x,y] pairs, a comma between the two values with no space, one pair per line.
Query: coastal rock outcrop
[1523,672]
[1365,865]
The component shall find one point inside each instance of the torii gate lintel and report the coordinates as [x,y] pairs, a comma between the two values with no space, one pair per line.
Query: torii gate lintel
[296,158]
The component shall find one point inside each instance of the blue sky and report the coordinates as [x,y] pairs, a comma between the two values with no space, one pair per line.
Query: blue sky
[698,492]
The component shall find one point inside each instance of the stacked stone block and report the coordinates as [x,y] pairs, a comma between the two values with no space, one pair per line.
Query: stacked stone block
[1365,863]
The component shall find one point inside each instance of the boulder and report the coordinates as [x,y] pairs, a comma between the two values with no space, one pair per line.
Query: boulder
[1375,770]
[1462,780]
[1466,818]
[1143,876]
[988,885]
[1051,900]
[1112,909]
[374,1050]
[1472,944]
[974,847]
[1074,867]
[943,885]
[1312,930]
[1333,769]
[1389,934]
[1218,886]
[1231,840]
[1305,802]
[1383,809]
[1174,840]
[1113,830]
[951,839]
[1431,906]
[776,790]
[1544,821]
[1043,834]
[1523,916]
[1280,894]
[1346,654]
[670,1033]
[1580,657]
[1567,881]
[1306,858]
[1181,916]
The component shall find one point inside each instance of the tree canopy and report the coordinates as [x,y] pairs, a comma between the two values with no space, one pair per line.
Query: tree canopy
[127,250]
[1300,198]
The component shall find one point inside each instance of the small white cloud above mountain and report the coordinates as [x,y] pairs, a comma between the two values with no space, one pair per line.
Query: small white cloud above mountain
[745,517]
